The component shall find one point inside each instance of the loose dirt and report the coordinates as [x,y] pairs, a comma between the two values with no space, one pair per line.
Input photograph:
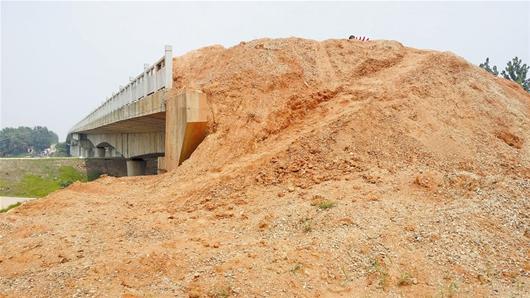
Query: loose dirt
[333,168]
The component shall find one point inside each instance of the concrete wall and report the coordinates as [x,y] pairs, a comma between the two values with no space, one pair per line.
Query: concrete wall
[96,167]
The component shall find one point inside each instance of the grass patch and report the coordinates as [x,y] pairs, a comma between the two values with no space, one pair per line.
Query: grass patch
[10,207]
[222,292]
[34,186]
[322,203]
[448,290]
[306,225]
[69,175]
[379,273]
[405,280]
[326,204]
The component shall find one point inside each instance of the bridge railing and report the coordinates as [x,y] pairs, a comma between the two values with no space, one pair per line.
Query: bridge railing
[154,77]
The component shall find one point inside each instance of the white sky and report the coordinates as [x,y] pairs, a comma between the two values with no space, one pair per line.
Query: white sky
[60,60]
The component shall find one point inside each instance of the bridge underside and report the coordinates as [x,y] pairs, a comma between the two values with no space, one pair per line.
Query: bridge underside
[163,128]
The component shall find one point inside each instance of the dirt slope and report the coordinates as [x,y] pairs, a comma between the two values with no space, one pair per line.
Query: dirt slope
[334,168]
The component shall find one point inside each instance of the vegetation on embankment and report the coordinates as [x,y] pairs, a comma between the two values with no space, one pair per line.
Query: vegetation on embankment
[48,180]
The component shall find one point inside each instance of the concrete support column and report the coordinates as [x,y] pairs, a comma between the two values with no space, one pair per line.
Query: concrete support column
[135,167]
[109,152]
[100,152]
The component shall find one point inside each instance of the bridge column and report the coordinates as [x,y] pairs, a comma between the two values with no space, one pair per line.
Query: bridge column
[135,167]
[85,152]
[109,152]
[100,152]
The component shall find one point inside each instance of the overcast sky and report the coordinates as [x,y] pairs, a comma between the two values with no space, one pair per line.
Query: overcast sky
[59,61]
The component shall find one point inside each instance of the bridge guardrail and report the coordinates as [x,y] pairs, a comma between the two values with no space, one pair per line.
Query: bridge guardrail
[154,77]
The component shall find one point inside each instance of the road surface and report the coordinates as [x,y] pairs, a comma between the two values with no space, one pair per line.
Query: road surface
[7,201]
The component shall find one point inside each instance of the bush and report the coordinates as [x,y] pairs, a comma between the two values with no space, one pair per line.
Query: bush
[322,202]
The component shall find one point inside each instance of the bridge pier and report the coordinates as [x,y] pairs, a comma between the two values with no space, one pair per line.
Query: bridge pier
[136,167]
[87,152]
[109,152]
[100,152]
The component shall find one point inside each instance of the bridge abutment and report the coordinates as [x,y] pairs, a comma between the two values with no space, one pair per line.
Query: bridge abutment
[186,126]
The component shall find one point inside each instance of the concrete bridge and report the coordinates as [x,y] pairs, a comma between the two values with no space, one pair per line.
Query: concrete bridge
[149,124]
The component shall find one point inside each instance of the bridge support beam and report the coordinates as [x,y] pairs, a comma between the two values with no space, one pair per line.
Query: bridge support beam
[136,167]
[186,126]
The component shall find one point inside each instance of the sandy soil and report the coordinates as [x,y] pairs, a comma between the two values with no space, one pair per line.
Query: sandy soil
[332,169]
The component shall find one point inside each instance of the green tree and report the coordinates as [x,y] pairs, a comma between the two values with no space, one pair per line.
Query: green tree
[486,66]
[516,71]
[21,140]
[15,141]
[42,138]
[62,149]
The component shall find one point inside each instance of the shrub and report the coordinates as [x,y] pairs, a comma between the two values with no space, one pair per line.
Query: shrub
[326,204]
[322,203]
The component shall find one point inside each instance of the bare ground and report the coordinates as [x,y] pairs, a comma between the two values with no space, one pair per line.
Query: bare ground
[334,168]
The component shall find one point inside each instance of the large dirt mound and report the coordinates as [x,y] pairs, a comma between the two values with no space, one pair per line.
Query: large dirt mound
[332,168]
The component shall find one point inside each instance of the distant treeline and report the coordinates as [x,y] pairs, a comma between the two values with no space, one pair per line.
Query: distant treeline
[27,141]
